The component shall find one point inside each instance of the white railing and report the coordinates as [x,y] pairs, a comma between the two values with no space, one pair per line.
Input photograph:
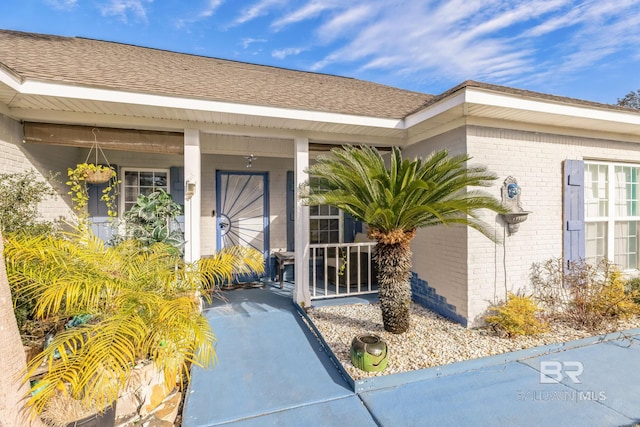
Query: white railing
[342,269]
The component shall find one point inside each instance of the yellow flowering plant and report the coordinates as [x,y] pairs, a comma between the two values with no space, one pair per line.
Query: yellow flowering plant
[85,173]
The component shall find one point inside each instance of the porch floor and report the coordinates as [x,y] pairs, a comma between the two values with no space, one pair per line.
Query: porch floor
[272,370]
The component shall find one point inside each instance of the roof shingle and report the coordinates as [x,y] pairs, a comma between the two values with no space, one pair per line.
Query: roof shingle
[94,63]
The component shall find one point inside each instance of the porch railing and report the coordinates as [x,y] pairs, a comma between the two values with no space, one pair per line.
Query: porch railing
[342,269]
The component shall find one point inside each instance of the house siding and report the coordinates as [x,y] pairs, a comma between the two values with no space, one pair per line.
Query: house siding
[535,159]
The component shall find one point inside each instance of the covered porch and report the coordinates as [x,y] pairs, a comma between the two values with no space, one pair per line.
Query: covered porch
[235,189]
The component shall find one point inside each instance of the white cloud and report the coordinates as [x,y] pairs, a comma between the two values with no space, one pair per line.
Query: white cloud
[206,12]
[257,9]
[491,40]
[122,8]
[283,53]
[344,22]
[246,43]
[62,4]
[310,10]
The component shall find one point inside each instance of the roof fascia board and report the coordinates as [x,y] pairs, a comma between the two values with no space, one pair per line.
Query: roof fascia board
[9,78]
[503,100]
[34,87]
[435,109]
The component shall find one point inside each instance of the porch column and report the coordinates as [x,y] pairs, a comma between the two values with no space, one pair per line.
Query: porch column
[192,194]
[301,293]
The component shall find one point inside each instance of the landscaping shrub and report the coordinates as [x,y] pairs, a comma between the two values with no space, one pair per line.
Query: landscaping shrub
[20,194]
[153,219]
[517,316]
[632,287]
[585,295]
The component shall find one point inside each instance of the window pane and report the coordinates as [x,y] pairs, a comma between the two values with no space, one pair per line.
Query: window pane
[596,190]
[626,197]
[626,244]
[131,178]
[160,180]
[146,179]
[596,242]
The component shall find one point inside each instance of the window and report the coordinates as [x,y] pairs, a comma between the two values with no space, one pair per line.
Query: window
[325,224]
[142,181]
[611,213]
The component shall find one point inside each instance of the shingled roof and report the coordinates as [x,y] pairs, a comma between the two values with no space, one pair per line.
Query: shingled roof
[94,63]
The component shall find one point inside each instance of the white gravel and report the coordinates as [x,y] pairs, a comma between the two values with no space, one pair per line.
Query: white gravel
[431,340]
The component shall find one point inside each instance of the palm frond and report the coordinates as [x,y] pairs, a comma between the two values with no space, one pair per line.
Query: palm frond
[144,302]
[407,194]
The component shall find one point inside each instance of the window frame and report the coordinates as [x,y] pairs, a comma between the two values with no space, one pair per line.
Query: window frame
[339,217]
[612,216]
[124,186]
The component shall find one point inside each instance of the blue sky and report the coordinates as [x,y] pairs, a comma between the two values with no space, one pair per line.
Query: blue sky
[587,49]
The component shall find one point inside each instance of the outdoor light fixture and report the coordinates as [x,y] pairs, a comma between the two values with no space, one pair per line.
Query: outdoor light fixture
[250,158]
[190,189]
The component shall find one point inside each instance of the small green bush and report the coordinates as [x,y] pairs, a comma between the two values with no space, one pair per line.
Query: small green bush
[20,194]
[517,316]
[632,288]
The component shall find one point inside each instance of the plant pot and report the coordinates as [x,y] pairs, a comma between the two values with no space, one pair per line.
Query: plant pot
[99,176]
[107,418]
[369,353]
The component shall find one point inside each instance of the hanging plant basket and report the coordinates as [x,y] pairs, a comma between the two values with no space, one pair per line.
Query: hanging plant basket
[99,176]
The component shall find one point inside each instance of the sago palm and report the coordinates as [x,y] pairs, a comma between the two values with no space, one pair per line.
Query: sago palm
[394,201]
[143,304]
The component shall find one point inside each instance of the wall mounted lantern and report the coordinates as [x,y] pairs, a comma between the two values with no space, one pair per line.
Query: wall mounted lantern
[190,188]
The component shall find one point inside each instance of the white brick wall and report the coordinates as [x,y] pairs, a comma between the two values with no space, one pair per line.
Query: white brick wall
[535,160]
[15,156]
[440,253]
[467,268]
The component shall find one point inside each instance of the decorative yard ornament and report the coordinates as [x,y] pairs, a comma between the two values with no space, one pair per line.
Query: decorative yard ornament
[511,200]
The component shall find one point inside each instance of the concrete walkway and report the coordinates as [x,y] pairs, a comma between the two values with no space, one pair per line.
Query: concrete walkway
[272,370]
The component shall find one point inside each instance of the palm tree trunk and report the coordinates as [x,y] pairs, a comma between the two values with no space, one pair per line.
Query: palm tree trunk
[394,288]
[13,360]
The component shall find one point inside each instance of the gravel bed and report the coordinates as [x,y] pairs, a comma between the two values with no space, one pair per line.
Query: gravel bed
[432,340]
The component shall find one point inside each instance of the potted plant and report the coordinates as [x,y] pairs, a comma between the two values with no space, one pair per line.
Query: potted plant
[91,173]
[140,302]
[154,218]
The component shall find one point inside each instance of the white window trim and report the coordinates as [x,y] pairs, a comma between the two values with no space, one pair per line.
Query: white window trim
[611,219]
[340,218]
[123,171]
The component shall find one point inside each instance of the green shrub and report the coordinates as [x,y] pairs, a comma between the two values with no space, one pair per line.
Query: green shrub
[153,219]
[517,316]
[20,194]
[632,287]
